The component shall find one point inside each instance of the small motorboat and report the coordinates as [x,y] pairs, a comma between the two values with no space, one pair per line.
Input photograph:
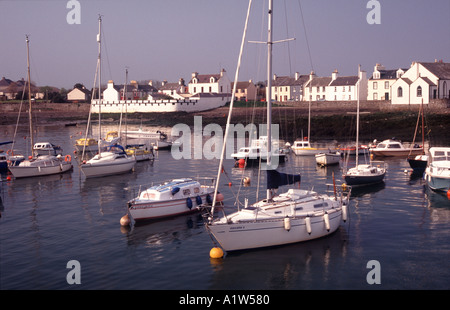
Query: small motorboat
[328,158]
[171,198]
[391,147]
[437,173]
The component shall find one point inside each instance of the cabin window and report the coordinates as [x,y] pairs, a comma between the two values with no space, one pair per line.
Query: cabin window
[399,92]
[186,192]
[419,91]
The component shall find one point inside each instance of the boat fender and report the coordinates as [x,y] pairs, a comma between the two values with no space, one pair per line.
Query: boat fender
[208,199]
[308,225]
[344,213]
[175,190]
[189,203]
[287,223]
[326,218]
[198,200]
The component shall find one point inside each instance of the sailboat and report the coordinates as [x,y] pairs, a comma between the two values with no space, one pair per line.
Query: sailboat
[363,174]
[295,216]
[419,162]
[113,159]
[44,164]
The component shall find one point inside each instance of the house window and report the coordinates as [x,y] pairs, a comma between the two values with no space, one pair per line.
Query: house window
[195,90]
[210,89]
[375,85]
[202,89]
[399,92]
[386,85]
[335,89]
[318,88]
[375,96]
[419,91]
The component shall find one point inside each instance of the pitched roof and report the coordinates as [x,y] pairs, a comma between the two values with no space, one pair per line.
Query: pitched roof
[290,81]
[344,81]
[440,69]
[204,78]
[319,81]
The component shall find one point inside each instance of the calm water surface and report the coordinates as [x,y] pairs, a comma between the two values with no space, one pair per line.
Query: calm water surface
[48,221]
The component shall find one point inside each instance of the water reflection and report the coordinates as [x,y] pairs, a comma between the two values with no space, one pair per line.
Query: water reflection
[299,266]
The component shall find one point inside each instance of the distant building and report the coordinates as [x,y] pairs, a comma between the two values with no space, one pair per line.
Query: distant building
[286,88]
[335,88]
[210,83]
[422,82]
[175,90]
[9,89]
[79,95]
[132,91]
[379,85]
[245,91]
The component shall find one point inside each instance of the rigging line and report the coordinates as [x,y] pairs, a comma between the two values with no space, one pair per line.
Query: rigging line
[231,107]
[287,36]
[106,51]
[306,36]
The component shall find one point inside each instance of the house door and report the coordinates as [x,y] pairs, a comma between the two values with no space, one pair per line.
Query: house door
[386,96]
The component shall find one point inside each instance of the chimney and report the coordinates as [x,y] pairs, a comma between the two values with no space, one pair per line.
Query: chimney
[181,81]
[194,74]
[297,75]
[274,77]
[150,83]
[334,75]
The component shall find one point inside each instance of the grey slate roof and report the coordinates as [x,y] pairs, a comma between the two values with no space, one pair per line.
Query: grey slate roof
[344,81]
[290,81]
[440,69]
[319,81]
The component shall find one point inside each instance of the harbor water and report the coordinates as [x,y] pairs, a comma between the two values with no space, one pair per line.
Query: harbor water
[46,222]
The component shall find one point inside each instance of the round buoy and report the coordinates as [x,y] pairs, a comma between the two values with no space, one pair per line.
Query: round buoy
[229,184]
[125,220]
[448,194]
[8,178]
[216,252]
[241,163]
[219,197]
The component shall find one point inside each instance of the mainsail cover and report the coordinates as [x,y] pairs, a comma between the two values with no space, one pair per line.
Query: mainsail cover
[276,179]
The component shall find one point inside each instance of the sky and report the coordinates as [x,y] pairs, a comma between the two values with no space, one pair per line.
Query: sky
[170,39]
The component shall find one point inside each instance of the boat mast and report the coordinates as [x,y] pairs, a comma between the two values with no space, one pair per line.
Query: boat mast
[357,116]
[99,83]
[30,115]
[269,90]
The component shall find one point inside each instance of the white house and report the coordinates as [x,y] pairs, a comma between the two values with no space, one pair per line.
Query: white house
[175,90]
[335,88]
[422,82]
[134,91]
[286,88]
[210,83]
[79,95]
[379,85]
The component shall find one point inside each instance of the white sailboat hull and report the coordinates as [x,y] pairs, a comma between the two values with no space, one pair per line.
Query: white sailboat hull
[25,170]
[101,168]
[250,235]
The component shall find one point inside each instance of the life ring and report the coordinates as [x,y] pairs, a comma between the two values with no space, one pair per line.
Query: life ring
[68,158]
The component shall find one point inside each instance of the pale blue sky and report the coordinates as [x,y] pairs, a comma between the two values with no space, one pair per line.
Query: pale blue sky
[169,39]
